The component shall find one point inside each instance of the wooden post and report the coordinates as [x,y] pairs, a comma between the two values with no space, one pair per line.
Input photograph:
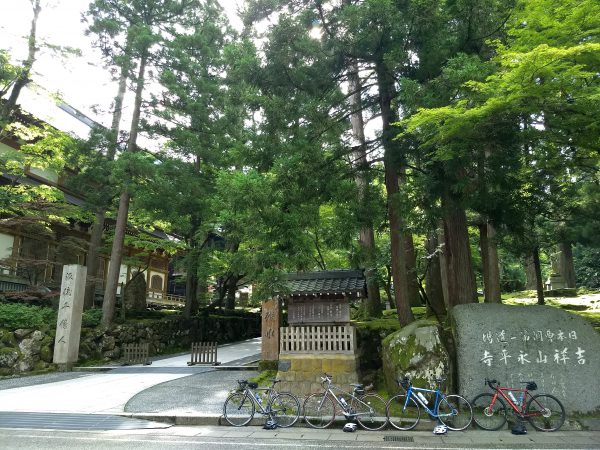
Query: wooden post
[270,330]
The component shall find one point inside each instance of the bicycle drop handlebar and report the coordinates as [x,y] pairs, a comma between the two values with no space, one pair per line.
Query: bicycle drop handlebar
[490,383]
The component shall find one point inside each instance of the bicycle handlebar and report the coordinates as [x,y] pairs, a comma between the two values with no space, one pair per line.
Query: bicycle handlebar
[490,383]
[327,377]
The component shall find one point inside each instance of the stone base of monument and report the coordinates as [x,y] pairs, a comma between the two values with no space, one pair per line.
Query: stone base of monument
[301,373]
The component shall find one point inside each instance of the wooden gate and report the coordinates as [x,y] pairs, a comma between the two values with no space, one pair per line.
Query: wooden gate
[136,354]
[204,353]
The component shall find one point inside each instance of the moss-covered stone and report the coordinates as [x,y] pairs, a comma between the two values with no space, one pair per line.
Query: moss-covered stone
[46,349]
[7,338]
[416,351]
[8,356]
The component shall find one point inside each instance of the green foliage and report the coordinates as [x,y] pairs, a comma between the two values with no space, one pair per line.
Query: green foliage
[91,318]
[587,266]
[15,315]
[512,273]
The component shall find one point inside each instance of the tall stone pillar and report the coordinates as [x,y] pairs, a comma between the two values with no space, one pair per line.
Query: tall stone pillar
[68,324]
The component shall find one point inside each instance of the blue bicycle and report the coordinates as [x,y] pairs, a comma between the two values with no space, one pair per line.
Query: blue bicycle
[404,410]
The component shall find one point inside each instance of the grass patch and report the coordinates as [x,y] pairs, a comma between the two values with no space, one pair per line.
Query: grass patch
[518,295]
[389,324]
[264,378]
[585,304]
[591,316]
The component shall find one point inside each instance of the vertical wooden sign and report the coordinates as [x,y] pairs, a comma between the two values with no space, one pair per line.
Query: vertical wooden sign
[68,324]
[270,330]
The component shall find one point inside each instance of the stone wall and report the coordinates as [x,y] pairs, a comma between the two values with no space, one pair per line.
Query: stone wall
[26,350]
[301,373]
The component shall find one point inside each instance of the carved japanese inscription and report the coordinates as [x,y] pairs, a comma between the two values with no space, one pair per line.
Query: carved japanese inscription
[68,324]
[270,330]
[318,311]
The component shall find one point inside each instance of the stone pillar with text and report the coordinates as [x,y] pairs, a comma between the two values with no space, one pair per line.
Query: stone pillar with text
[70,310]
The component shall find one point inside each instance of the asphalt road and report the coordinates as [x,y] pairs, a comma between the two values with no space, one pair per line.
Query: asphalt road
[187,438]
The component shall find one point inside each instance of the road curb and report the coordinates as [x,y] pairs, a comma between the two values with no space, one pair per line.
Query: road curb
[423,425]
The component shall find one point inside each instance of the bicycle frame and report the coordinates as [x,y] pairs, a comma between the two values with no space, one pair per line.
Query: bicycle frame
[349,407]
[438,398]
[252,394]
[519,409]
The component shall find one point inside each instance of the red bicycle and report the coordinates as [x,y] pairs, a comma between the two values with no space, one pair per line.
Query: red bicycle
[544,411]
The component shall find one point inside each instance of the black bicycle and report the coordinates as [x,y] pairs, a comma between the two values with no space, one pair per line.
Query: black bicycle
[281,407]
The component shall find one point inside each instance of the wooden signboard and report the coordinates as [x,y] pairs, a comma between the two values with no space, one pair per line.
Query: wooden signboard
[270,330]
[311,311]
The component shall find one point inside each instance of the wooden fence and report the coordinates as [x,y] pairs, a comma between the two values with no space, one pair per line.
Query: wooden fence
[318,338]
[204,353]
[136,354]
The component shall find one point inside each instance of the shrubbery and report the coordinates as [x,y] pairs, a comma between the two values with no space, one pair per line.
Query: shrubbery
[16,315]
[91,318]
[587,266]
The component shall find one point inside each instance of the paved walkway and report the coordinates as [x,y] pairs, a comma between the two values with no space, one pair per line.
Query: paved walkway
[106,392]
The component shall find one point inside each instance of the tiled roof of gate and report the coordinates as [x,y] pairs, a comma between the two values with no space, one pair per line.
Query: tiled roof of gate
[349,282]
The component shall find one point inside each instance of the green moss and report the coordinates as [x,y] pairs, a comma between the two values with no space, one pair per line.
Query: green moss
[386,324]
[419,312]
[264,378]
[268,366]
[5,350]
[7,338]
[518,294]
[592,316]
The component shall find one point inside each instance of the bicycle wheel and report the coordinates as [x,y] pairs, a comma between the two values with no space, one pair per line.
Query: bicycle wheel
[488,417]
[403,416]
[285,409]
[319,410]
[238,409]
[545,412]
[455,412]
[371,416]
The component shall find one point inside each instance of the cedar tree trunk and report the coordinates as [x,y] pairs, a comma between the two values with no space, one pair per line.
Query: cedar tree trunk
[108,306]
[361,178]
[433,277]
[567,268]
[461,279]
[385,83]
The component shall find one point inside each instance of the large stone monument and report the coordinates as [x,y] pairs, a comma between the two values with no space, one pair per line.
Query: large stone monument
[558,350]
[70,309]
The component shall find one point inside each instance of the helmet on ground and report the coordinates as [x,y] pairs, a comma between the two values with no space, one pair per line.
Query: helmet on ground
[350,427]
[519,428]
[270,425]
[440,429]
